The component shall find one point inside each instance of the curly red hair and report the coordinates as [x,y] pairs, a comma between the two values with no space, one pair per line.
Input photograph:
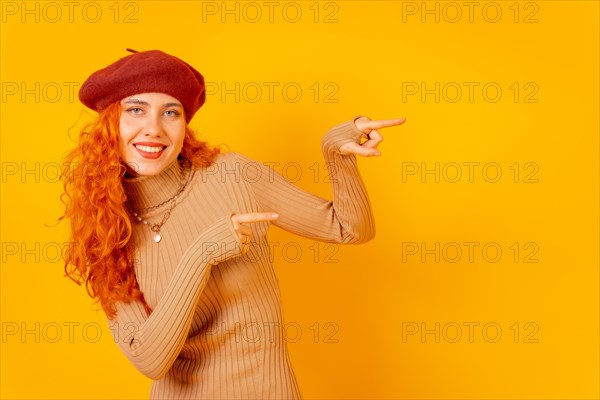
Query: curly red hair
[100,251]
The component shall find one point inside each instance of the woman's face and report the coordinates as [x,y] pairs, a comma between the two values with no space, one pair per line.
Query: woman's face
[152,128]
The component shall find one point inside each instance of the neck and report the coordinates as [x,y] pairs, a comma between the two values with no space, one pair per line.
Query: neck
[151,190]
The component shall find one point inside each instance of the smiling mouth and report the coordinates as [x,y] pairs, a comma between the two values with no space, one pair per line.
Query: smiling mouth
[148,151]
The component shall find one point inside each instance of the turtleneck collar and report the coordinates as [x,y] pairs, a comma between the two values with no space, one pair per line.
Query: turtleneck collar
[151,190]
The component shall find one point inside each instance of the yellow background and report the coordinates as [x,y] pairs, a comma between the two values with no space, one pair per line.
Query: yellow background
[371,295]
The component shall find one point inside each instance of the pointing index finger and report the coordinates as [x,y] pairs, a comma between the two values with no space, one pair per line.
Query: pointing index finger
[383,123]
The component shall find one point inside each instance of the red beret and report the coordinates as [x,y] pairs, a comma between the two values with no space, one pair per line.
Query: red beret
[143,72]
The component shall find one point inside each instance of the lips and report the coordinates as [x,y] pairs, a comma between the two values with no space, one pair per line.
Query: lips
[150,150]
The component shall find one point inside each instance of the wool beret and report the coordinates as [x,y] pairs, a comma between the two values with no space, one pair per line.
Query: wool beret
[143,72]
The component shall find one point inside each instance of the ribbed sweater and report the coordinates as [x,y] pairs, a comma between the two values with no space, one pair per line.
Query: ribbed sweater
[216,327]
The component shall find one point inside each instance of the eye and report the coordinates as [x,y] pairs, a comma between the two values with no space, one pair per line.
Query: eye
[172,113]
[134,110]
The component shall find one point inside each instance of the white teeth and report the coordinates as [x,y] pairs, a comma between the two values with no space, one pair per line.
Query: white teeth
[149,149]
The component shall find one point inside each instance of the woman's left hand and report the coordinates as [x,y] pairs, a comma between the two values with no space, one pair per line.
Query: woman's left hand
[369,129]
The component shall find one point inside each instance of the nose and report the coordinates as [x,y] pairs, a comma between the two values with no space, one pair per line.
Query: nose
[153,126]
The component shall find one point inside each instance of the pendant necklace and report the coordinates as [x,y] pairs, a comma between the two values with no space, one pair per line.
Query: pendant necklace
[157,237]
[156,227]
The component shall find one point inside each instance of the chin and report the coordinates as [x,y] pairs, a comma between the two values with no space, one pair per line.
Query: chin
[145,168]
[151,169]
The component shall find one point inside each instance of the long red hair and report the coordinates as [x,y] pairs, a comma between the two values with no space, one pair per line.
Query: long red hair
[99,252]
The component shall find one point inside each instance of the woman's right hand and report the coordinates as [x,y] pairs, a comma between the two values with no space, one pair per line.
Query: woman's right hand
[240,220]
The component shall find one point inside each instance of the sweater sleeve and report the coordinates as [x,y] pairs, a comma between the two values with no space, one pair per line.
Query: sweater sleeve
[152,343]
[347,218]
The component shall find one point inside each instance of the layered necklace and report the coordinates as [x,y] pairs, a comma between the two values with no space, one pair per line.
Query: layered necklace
[156,227]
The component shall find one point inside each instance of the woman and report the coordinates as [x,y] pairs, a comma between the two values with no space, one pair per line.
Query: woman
[169,235]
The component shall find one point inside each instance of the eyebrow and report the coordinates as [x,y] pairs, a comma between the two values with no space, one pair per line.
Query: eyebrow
[145,103]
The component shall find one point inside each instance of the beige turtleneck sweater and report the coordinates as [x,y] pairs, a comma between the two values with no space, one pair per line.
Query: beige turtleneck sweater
[216,329]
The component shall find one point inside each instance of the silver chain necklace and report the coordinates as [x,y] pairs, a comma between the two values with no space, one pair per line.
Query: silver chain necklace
[156,227]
